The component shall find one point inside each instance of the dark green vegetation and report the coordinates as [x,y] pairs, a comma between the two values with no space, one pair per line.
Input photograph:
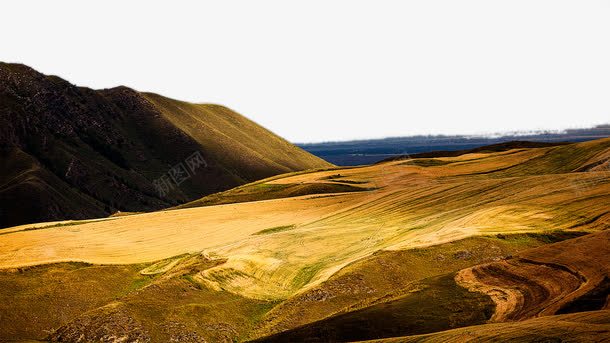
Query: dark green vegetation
[71,152]
[434,304]
[81,302]
[34,300]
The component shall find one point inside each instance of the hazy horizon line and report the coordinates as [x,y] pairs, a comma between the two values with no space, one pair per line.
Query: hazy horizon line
[490,135]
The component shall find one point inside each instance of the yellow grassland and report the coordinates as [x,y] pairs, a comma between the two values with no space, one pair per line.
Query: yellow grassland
[277,248]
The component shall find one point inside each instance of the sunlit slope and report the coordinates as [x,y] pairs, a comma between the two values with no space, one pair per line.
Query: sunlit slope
[236,142]
[276,248]
[152,236]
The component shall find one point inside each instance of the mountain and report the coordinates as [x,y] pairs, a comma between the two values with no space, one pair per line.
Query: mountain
[71,152]
[493,245]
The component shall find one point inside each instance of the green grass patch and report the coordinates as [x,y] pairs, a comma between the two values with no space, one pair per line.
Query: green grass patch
[164,265]
[135,285]
[226,275]
[306,274]
[190,279]
[546,237]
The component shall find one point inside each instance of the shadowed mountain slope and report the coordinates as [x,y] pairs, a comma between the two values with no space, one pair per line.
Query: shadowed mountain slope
[591,326]
[71,152]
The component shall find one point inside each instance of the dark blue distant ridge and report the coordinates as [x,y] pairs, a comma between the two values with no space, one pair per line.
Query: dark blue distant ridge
[358,152]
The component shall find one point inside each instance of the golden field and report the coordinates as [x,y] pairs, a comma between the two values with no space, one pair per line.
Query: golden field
[279,249]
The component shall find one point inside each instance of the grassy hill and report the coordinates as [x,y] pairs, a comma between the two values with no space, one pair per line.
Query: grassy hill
[544,281]
[71,152]
[409,248]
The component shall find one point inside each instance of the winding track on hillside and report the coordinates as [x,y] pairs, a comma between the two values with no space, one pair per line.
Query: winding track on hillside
[546,281]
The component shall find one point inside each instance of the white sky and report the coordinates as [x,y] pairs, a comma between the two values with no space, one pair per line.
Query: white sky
[336,70]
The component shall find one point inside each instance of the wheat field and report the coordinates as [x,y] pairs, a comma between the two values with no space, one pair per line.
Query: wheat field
[277,248]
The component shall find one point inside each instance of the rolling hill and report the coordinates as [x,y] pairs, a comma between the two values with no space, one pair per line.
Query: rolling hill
[71,152]
[477,247]
[560,278]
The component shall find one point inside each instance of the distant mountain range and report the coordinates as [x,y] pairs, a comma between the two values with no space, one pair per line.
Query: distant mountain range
[370,151]
[71,152]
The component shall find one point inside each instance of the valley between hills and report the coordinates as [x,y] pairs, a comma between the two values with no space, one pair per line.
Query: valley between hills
[507,245]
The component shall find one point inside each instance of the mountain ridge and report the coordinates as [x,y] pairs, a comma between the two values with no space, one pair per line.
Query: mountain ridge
[112,148]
